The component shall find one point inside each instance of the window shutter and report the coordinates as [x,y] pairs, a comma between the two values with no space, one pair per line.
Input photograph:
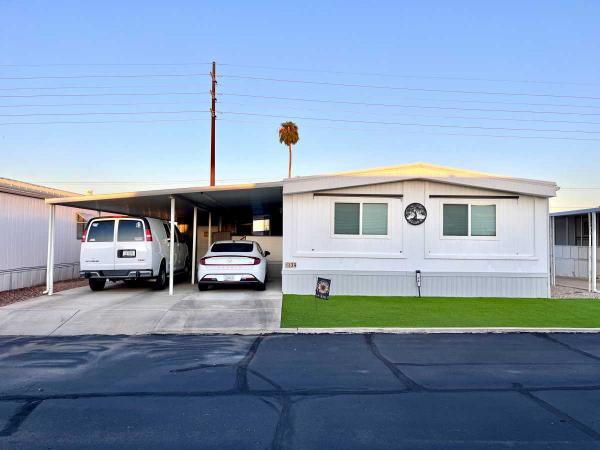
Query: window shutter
[375,219]
[456,220]
[347,217]
[483,220]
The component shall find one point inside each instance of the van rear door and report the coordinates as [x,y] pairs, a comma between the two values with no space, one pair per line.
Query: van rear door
[97,252]
[133,252]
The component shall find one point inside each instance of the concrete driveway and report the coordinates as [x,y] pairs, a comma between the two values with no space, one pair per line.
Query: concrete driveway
[493,391]
[140,310]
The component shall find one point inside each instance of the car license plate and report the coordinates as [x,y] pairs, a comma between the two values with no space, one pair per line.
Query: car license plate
[128,253]
[229,278]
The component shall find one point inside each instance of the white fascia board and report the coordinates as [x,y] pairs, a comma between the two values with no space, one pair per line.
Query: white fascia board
[509,185]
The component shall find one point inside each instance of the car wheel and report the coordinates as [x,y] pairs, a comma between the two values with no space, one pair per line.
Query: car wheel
[202,287]
[161,279]
[97,284]
[261,286]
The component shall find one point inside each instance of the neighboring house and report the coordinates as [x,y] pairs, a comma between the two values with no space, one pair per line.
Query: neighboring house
[24,235]
[483,235]
[468,233]
[576,238]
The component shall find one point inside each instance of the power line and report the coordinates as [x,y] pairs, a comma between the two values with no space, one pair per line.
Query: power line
[507,119]
[77,77]
[104,94]
[500,136]
[395,105]
[45,105]
[280,80]
[195,111]
[58,88]
[412,76]
[97,121]
[105,64]
[307,70]
[408,124]
[403,88]
[107,113]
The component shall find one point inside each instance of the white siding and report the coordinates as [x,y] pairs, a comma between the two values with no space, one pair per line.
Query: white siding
[24,242]
[514,263]
[572,261]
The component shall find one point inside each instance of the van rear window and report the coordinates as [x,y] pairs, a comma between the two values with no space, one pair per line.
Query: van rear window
[130,231]
[101,231]
[232,247]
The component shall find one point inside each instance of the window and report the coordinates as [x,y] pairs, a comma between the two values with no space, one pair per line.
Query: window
[80,219]
[367,219]
[232,247]
[130,231]
[469,220]
[572,230]
[261,225]
[483,220]
[101,231]
[456,220]
[374,219]
[178,234]
[347,218]
[167,229]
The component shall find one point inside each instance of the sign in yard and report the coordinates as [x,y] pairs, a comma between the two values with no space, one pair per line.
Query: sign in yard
[322,290]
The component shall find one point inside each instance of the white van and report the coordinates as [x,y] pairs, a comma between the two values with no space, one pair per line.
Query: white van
[130,248]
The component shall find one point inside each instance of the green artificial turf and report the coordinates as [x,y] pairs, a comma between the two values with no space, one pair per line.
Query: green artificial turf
[304,311]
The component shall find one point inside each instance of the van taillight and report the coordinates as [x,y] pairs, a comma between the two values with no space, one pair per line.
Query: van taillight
[148,235]
[84,235]
[256,261]
[202,261]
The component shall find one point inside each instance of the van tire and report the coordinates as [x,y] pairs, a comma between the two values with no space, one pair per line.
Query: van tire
[161,279]
[202,287]
[261,286]
[97,284]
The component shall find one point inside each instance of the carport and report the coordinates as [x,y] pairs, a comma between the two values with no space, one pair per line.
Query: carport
[233,207]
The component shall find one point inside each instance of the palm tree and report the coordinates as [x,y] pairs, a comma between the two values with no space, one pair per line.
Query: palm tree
[288,135]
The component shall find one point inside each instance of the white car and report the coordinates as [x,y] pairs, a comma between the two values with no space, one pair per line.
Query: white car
[130,248]
[233,262]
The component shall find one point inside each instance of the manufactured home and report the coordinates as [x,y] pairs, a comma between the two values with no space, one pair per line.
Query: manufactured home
[372,231]
[24,235]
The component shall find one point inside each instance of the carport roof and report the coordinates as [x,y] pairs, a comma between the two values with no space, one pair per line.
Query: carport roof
[157,203]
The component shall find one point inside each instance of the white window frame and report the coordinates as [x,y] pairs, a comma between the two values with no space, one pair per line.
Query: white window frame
[361,201]
[468,236]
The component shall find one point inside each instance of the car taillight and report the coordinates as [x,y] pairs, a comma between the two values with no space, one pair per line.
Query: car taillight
[148,235]
[256,261]
[84,235]
[202,261]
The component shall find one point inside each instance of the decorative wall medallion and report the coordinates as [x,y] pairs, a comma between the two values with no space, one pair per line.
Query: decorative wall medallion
[415,214]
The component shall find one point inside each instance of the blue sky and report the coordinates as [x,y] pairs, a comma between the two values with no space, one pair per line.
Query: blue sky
[407,54]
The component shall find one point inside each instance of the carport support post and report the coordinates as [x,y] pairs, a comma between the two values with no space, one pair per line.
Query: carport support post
[209,229]
[594,241]
[50,260]
[172,246]
[194,231]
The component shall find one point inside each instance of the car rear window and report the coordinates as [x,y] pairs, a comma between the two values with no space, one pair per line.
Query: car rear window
[130,231]
[232,247]
[101,231]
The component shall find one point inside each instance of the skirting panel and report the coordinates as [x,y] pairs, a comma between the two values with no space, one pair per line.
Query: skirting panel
[34,276]
[432,284]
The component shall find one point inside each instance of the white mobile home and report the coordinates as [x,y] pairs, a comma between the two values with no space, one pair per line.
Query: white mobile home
[24,235]
[369,232]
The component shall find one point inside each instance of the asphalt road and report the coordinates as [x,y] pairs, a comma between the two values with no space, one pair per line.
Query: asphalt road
[529,391]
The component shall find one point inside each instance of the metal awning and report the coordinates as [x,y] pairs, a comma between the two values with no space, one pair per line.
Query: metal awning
[576,212]
[173,204]
[157,203]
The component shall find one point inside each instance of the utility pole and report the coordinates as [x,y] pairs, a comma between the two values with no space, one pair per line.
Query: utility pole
[213,117]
